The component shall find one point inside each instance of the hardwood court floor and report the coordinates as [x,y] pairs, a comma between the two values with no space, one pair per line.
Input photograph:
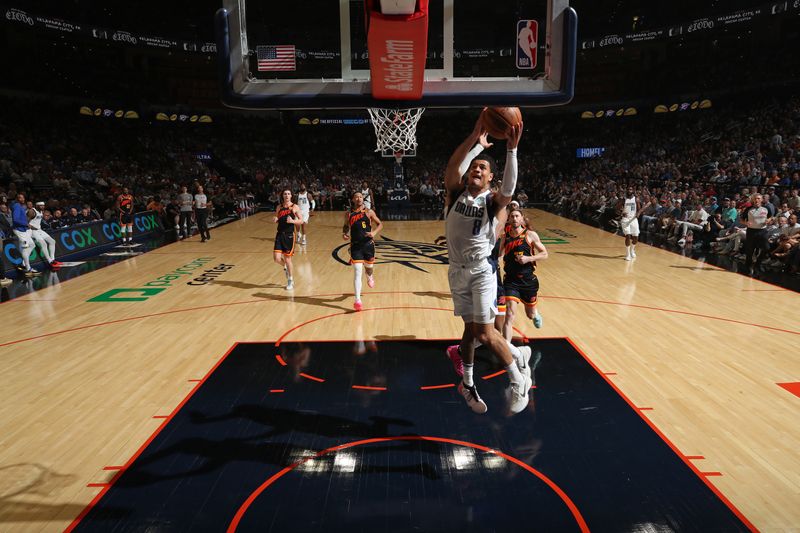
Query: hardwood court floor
[85,383]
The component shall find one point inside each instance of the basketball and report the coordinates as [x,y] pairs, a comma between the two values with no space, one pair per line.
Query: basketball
[31,214]
[499,120]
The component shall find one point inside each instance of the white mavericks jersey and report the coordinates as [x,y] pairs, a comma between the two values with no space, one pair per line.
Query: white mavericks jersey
[302,201]
[36,222]
[367,198]
[629,209]
[470,228]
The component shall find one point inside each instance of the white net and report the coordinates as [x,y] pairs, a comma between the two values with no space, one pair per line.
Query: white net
[395,129]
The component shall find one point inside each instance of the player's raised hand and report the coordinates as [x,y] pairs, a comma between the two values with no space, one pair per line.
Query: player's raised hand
[479,129]
[514,135]
[484,140]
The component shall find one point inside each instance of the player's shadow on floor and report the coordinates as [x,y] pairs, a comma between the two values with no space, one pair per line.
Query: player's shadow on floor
[592,256]
[264,239]
[685,267]
[434,294]
[19,482]
[210,455]
[308,300]
[395,337]
[244,285]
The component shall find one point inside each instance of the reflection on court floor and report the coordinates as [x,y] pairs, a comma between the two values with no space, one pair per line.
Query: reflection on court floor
[372,436]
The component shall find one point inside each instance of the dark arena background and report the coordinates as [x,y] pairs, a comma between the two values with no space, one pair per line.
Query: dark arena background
[178,355]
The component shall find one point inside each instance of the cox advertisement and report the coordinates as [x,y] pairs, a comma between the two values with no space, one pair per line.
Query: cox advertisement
[81,238]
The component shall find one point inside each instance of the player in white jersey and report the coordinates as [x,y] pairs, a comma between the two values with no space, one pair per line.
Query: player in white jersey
[366,192]
[471,225]
[630,222]
[306,202]
[45,242]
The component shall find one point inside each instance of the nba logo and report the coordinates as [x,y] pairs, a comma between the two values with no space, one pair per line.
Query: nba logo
[527,40]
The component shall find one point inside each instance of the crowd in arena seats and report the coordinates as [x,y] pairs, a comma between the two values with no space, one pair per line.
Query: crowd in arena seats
[683,165]
[695,179]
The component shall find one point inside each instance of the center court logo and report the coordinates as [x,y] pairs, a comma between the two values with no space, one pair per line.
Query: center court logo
[151,288]
[407,253]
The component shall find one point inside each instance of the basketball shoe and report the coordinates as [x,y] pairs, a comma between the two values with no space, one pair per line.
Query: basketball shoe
[517,393]
[537,319]
[474,401]
[357,305]
[455,358]
[370,281]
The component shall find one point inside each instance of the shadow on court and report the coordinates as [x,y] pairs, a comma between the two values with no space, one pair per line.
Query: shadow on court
[308,300]
[592,256]
[245,286]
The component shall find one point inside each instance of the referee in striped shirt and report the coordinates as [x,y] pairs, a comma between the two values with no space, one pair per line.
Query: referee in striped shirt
[755,218]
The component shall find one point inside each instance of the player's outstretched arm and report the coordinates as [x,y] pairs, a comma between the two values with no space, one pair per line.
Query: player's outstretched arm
[509,184]
[452,176]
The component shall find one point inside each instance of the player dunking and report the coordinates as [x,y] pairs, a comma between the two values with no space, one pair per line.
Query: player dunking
[306,202]
[125,209]
[471,225]
[358,228]
[287,215]
[522,248]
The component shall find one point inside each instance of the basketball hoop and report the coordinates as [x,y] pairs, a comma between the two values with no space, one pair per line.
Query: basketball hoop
[395,129]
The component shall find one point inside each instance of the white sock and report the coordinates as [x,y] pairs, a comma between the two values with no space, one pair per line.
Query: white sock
[628,250]
[358,269]
[468,370]
[515,353]
[514,374]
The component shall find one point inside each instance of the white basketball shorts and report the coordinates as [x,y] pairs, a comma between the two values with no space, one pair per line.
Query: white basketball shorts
[630,226]
[474,291]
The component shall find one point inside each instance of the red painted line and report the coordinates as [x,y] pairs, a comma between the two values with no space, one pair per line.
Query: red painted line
[709,474]
[313,378]
[794,388]
[367,387]
[277,390]
[201,308]
[669,443]
[144,446]
[237,518]
[110,322]
[113,467]
[342,313]
[432,387]
[675,311]
[490,376]
[693,457]
[160,416]
[280,360]
[104,485]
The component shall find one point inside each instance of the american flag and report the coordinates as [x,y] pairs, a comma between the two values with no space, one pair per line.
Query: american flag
[275,57]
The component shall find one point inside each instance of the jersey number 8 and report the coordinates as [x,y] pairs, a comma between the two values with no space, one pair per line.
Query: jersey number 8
[476,227]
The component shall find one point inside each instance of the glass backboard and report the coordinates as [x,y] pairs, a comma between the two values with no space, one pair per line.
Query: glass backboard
[313,54]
